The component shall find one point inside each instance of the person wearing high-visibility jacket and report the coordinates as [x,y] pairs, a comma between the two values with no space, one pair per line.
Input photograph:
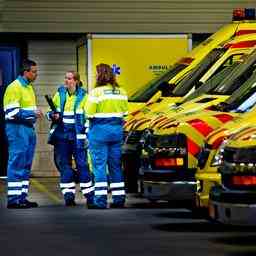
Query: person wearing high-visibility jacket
[68,135]
[106,106]
[21,114]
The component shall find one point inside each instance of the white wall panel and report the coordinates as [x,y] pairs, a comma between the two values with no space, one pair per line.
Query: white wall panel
[54,58]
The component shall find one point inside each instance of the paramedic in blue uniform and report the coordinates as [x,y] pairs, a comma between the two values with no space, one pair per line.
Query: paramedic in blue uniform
[68,135]
[106,106]
[21,114]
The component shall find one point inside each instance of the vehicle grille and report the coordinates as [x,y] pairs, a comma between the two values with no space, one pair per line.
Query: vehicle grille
[170,141]
[234,155]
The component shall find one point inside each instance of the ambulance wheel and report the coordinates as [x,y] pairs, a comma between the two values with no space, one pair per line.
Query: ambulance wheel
[131,165]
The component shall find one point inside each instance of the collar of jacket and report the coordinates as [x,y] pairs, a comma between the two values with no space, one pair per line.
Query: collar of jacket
[24,82]
[80,93]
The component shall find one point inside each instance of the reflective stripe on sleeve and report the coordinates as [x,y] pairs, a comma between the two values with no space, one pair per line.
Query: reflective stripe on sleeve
[108,115]
[112,97]
[10,106]
[68,121]
[68,113]
[12,113]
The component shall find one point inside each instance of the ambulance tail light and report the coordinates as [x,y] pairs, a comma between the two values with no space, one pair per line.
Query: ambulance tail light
[168,162]
[243,180]
[243,14]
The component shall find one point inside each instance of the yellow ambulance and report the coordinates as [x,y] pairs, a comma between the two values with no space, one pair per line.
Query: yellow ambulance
[209,158]
[170,152]
[234,201]
[243,23]
[204,96]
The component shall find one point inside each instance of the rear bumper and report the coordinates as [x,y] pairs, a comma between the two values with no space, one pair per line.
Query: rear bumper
[169,191]
[236,207]
[235,214]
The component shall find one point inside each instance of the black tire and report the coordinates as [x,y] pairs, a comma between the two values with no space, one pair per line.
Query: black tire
[131,165]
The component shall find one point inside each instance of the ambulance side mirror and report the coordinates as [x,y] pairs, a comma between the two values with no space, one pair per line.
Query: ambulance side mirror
[166,89]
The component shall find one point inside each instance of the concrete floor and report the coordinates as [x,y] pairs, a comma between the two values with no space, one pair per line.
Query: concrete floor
[46,192]
[140,229]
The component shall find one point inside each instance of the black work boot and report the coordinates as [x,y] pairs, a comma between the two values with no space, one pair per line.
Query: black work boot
[17,206]
[70,202]
[30,204]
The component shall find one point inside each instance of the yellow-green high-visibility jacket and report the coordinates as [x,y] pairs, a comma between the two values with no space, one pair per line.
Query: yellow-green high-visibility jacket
[20,102]
[73,125]
[105,104]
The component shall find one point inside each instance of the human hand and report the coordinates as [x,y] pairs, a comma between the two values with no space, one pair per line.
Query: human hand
[39,113]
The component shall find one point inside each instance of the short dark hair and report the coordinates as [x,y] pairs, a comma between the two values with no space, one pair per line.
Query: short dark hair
[26,65]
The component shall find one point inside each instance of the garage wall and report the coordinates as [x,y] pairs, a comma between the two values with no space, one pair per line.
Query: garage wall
[1,14]
[142,16]
[54,58]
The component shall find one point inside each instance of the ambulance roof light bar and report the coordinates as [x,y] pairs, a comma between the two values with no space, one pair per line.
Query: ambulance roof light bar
[243,14]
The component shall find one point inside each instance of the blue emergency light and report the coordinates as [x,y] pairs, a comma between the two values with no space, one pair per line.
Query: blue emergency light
[243,14]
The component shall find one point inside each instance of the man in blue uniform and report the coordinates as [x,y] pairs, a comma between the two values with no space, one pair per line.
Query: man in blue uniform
[21,114]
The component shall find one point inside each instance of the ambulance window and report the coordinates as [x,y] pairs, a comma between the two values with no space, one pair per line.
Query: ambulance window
[236,79]
[237,76]
[192,79]
[211,83]
[244,98]
[248,103]
[152,87]
[229,62]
